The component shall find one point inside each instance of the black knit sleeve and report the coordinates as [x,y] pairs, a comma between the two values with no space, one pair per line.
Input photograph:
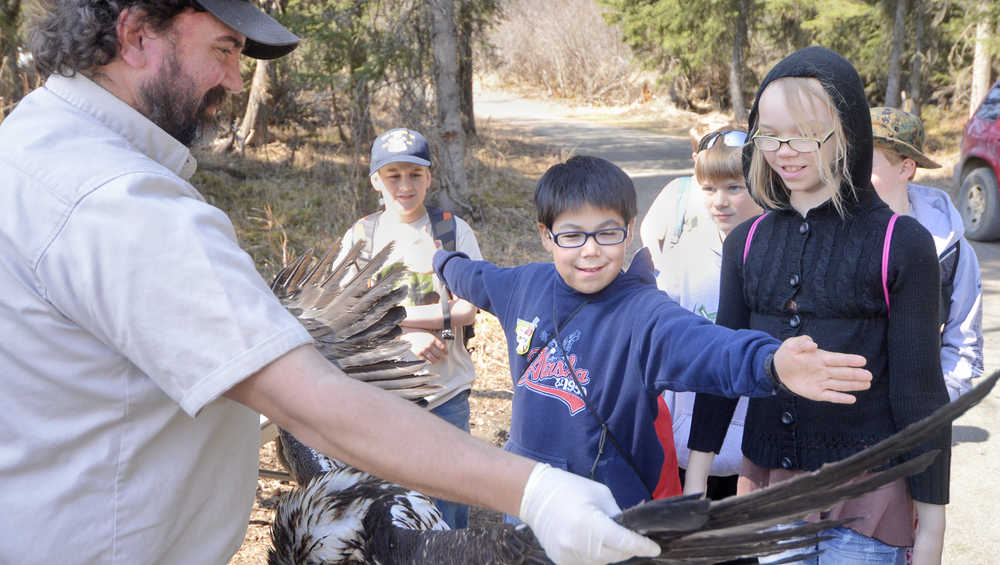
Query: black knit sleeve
[712,414]
[916,386]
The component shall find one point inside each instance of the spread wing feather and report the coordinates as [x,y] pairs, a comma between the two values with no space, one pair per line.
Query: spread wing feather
[354,318]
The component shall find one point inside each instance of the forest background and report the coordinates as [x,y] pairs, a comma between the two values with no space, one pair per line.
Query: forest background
[289,160]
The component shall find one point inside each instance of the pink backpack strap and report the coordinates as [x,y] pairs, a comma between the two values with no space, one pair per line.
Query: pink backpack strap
[753,228]
[885,257]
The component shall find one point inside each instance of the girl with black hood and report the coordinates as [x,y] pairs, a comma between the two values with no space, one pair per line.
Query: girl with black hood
[813,264]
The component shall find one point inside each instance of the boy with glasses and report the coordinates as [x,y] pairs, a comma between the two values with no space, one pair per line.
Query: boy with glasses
[592,347]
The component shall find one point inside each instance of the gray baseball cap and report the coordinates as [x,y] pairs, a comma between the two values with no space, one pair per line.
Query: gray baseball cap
[399,145]
[266,38]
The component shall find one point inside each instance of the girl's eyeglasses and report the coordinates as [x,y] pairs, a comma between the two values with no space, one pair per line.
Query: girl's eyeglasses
[731,138]
[798,144]
[571,239]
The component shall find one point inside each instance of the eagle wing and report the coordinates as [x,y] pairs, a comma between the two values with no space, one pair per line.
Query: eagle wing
[689,530]
[742,526]
[354,318]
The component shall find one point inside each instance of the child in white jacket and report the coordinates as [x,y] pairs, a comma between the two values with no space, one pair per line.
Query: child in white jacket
[690,271]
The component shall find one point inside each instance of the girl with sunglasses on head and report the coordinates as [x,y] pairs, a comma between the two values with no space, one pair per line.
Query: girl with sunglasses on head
[678,208]
[690,276]
[829,259]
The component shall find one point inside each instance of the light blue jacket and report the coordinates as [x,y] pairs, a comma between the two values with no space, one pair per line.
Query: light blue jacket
[962,333]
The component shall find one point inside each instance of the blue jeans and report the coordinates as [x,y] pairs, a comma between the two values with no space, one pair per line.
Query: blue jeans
[455,412]
[847,547]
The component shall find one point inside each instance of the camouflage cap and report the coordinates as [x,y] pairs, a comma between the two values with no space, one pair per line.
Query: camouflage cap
[901,132]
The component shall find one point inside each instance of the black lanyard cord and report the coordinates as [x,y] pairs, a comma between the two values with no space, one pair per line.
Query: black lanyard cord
[605,429]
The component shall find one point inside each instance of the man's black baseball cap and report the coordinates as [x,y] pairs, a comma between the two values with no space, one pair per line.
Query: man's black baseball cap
[266,38]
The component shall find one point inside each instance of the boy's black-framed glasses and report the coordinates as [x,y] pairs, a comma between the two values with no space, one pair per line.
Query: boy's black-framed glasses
[731,138]
[606,236]
[797,144]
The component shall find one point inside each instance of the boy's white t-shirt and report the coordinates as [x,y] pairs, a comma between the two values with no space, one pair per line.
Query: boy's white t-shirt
[415,248]
[690,276]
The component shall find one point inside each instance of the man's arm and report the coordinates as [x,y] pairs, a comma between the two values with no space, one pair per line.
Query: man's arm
[305,394]
[388,437]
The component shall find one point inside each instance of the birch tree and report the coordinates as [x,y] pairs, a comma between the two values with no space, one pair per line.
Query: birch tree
[736,62]
[895,74]
[981,58]
[916,57]
[454,192]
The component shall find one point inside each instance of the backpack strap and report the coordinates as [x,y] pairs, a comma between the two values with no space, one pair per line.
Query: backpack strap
[364,229]
[443,228]
[886,243]
[680,211]
[948,260]
[753,229]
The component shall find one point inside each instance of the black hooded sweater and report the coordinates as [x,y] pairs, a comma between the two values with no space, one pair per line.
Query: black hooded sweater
[820,275]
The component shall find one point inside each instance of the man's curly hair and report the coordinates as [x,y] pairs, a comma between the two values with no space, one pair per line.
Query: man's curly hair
[70,36]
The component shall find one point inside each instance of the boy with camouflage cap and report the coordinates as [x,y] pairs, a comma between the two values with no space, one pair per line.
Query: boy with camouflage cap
[899,140]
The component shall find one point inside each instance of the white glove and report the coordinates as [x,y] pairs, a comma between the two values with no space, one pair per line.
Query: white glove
[570,517]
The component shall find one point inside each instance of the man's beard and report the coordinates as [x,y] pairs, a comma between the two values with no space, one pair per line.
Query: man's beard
[170,102]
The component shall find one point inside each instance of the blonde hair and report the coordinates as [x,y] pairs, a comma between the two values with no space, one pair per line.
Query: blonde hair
[719,161]
[894,157]
[804,95]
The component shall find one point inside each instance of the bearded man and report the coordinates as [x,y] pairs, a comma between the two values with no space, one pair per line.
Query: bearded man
[140,344]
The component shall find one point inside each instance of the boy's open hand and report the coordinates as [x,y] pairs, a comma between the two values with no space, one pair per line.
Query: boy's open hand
[813,373]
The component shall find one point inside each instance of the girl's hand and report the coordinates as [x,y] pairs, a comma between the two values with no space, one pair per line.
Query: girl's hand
[929,538]
[813,373]
[426,345]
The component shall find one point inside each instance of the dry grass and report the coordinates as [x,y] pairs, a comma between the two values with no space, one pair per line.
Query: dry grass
[584,59]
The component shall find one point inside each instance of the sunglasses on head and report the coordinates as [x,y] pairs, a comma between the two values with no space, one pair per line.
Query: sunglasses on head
[731,138]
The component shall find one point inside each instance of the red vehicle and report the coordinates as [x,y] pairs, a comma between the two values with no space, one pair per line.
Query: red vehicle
[978,169]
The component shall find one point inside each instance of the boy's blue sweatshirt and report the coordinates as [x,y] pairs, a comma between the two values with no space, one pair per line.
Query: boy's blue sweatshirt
[626,344]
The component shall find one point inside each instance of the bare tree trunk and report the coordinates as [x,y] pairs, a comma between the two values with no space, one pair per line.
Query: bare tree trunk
[736,63]
[981,59]
[454,194]
[896,56]
[917,58]
[466,30]
[253,128]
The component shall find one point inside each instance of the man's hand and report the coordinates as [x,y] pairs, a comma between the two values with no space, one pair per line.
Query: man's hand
[570,517]
[813,373]
[425,345]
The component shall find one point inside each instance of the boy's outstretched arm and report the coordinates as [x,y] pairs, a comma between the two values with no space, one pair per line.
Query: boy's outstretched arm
[806,370]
